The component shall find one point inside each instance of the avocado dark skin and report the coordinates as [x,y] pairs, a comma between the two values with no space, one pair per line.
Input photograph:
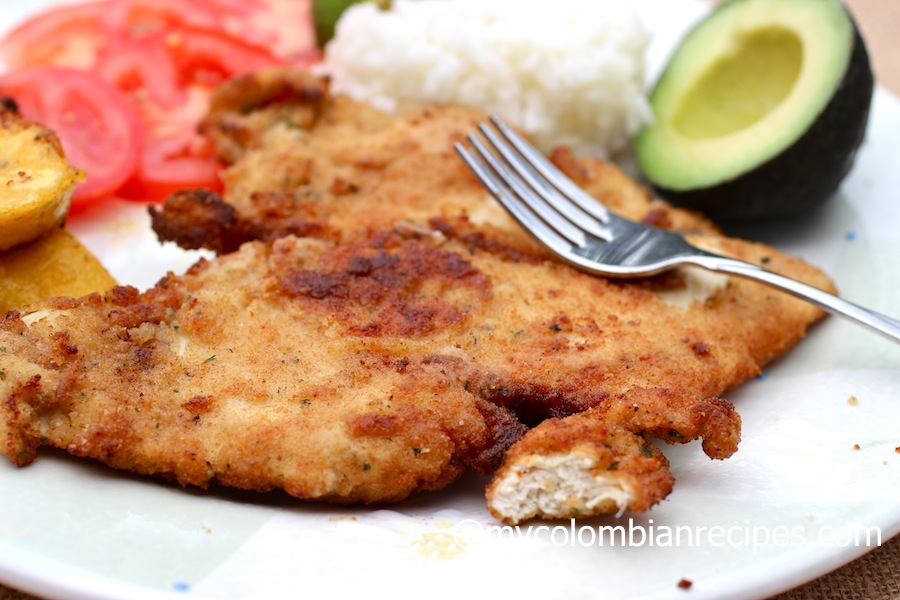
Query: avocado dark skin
[807,172]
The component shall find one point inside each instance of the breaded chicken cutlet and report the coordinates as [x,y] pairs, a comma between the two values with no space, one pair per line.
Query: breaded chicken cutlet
[374,325]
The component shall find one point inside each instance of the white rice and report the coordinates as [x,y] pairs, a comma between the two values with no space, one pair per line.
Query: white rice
[568,72]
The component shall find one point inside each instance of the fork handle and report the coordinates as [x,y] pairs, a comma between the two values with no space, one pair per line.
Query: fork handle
[880,324]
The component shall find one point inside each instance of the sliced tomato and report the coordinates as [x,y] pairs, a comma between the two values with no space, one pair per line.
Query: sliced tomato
[240,7]
[172,75]
[173,164]
[99,127]
[68,35]
[137,18]
[161,66]
[208,57]
[73,34]
[144,68]
[161,59]
[282,26]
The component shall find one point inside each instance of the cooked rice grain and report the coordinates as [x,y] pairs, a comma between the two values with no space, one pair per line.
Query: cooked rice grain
[567,72]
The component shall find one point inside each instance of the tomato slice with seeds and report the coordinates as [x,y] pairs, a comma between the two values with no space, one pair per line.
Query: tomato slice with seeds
[68,35]
[142,67]
[189,62]
[99,127]
[208,57]
[72,35]
[137,18]
[169,165]
[164,57]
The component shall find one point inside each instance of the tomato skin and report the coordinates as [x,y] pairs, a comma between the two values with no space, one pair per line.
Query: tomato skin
[137,18]
[99,127]
[283,26]
[169,165]
[164,57]
[208,57]
[67,35]
[188,63]
[73,34]
[142,66]
[163,65]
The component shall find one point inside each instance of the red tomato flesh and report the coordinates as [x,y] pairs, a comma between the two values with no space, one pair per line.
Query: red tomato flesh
[142,66]
[68,35]
[169,165]
[99,127]
[136,135]
[208,57]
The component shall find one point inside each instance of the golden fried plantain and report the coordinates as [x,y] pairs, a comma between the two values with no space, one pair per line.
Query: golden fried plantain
[36,182]
[55,264]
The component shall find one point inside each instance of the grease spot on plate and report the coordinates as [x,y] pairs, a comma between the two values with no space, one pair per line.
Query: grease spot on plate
[437,545]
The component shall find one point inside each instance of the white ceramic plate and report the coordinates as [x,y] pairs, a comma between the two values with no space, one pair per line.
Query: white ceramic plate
[796,501]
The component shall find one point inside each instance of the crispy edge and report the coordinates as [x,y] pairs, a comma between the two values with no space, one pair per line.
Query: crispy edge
[602,460]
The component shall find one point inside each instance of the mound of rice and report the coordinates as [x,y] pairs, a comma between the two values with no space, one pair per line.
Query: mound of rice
[567,72]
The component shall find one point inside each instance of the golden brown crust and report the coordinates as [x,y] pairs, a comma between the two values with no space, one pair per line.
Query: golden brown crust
[235,121]
[375,324]
[211,377]
[617,435]
[365,370]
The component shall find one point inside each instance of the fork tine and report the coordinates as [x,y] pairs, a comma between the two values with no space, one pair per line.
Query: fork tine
[549,171]
[530,197]
[511,202]
[553,199]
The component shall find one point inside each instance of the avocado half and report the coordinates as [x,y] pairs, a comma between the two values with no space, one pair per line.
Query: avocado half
[760,110]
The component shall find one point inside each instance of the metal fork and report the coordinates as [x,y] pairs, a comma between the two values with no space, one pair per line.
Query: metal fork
[582,232]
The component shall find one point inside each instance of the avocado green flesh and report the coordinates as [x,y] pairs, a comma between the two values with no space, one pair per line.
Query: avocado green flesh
[741,89]
[760,111]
